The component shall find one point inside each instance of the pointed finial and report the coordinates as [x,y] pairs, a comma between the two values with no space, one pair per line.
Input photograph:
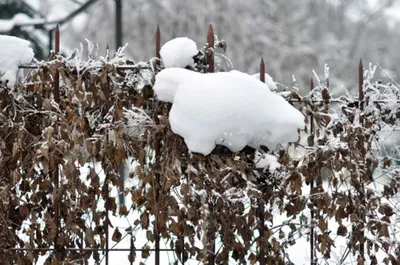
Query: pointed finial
[158,41]
[262,70]
[57,39]
[210,55]
[311,83]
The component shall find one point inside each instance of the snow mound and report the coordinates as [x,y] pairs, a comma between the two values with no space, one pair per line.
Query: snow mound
[13,52]
[179,52]
[268,80]
[227,108]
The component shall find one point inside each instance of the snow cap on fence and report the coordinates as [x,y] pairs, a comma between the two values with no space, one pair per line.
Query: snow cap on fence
[179,52]
[227,108]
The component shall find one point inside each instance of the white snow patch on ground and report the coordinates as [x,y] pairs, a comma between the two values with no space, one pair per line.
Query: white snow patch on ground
[179,52]
[231,109]
[13,52]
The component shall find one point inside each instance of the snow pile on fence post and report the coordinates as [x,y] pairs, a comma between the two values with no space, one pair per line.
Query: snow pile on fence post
[231,109]
[179,52]
[13,52]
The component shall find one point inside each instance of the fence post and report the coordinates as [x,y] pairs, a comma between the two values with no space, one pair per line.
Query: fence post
[210,52]
[260,202]
[55,173]
[57,77]
[210,69]
[361,105]
[360,86]
[132,253]
[312,258]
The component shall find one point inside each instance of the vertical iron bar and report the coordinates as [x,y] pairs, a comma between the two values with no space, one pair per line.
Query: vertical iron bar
[210,54]
[262,252]
[82,246]
[312,259]
[181,240]
[262,70]
[118,23]
[132,249]
[107,222]
[210,61]
[56,175]
[361,98]
[158,41]
[361,84]
[57,77]
[211,251]
[50,41]
[260,202]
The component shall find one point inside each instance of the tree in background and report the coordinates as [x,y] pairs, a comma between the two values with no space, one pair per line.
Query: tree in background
[293,36]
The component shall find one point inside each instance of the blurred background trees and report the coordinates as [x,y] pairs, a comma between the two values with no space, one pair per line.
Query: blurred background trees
[294,37]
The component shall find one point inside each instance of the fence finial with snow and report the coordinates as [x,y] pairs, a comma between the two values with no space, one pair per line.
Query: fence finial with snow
[179,52]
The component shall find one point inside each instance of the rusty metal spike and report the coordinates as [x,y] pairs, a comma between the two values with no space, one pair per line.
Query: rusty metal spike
[311,84]
[57,39]
[361,84]
[158,41]
[210,55]
[262,70]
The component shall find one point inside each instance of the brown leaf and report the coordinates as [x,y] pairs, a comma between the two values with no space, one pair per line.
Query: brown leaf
[325,95]
[310,140]
[23,211]
[144,218]
[123,210]
[45,185]
[322,225]
[142,157]
[342,231]
[386,210]
[145,252]
[110,204]
[116,237]
[150,236]
[386,162]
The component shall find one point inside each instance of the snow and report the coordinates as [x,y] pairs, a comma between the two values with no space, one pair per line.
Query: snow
[266,161]
[268,80]
[227,108]
[13,52]
[179,52]
[19,19]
